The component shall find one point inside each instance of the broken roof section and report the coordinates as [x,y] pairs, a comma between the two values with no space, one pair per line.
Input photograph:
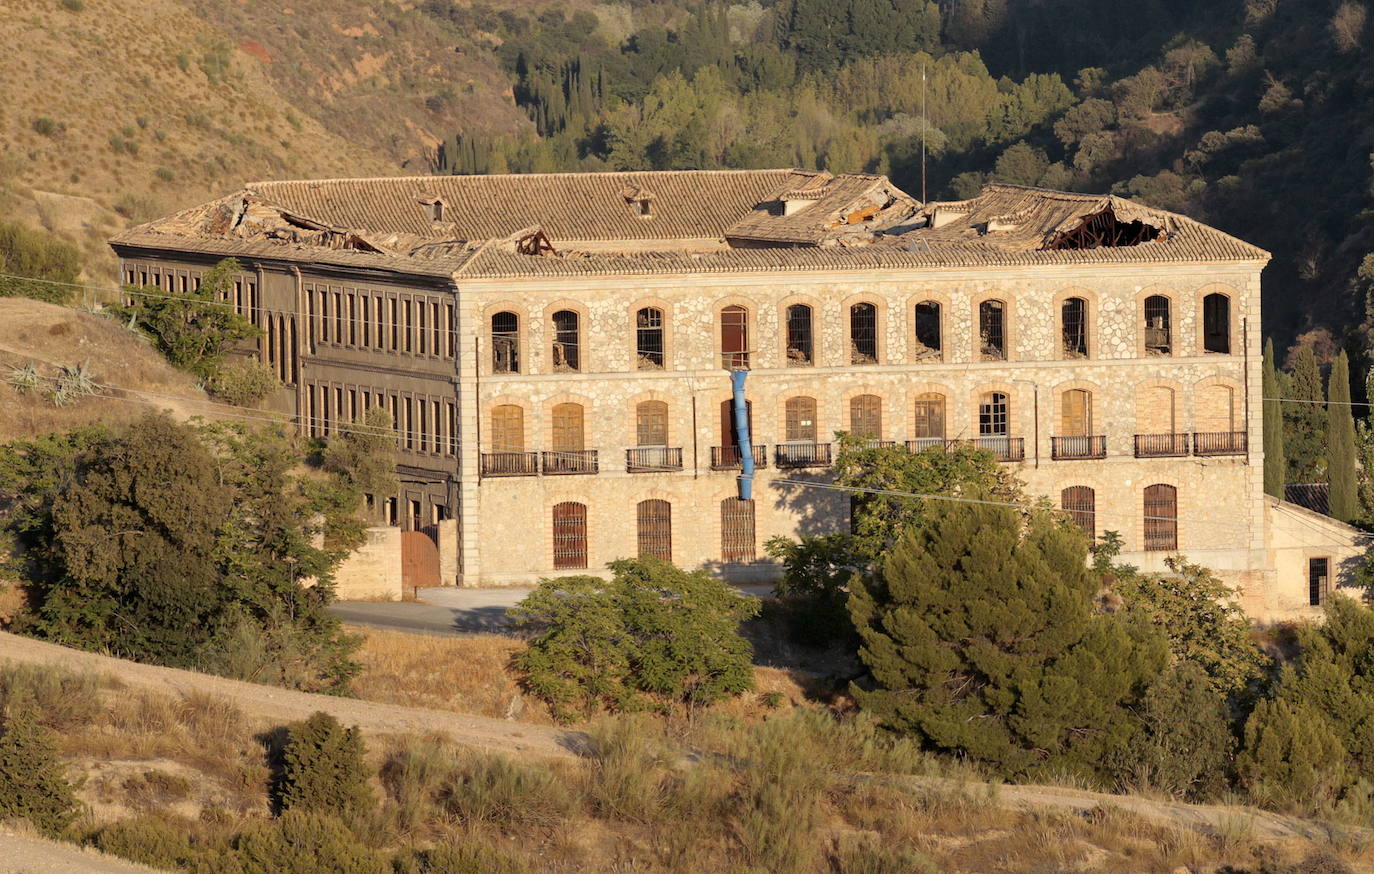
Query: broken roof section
[818,209]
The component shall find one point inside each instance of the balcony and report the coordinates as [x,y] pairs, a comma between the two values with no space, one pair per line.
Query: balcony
[568,462]
[1003,448]
[653,459]
[794,455]
[1161,445]
[728,457]
[879,444]
[509,463]
[921,444]
[1210,443]
[1069,448]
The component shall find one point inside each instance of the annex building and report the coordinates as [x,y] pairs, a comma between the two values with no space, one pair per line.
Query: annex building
[556,352]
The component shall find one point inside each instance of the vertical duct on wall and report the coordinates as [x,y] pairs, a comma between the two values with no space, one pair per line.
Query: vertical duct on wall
[742,436]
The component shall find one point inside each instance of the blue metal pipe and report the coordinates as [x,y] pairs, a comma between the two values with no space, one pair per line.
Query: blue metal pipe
[742,436]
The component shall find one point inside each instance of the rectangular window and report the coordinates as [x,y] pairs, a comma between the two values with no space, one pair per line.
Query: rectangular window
[448,330]
[422,425]
[408,411]
[736,530]
[395,325]
[452,427]
[408,320]
[352,318]
[992,415]
[312,314]
[422,326]
[434,327]
[313,410]
[655,529]
[569,535]
[339,318]
[1318,580]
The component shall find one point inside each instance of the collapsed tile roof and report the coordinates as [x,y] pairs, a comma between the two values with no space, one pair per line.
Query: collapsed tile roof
[571,224]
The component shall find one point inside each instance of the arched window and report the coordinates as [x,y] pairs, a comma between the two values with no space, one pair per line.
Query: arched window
[505,343]
[863,334]
[1155,410]
[928,423]
[992,331]
[929,345]
[736,530]
[649,339]
[655,529]
[1073,324]
[651,423]
[799,346]
[567,428]
[1075,413]
[801,420]
[993,414]
[1158,326]
[567,348]
[507,428]
[866,416]
[734,337]
[1161,517]
[1216,323]
[1080,502]
[1216,409]
[569,535]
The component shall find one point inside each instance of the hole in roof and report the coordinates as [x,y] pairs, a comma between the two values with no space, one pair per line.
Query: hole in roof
[1104,230]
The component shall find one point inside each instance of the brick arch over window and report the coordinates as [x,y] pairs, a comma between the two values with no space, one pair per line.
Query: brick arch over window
[566,345]
[991,329]
[1216,406]
[863,332]
[736,323]
[930,417]
[569,535]
[1157,409]
[505,348]
[654,528]
[1157,322]
[929,314]
[799,334]
[650,333]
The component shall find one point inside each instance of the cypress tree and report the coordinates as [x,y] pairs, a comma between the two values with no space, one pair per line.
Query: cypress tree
[1343,502]
[1275,464]
[1304,439]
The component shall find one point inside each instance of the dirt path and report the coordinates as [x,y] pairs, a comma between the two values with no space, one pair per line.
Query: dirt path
[20,854]
[281,705]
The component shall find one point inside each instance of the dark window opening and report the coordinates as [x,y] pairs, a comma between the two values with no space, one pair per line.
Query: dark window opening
[928,330]
[863,334]
[1104,229]
[1161,518]
[993,415]
[799,348]
[1216,324]
[566,352]
[505,343]
[1158,331]
[569,535]
[1318,580]
[1074,325]
[1080,502]
[992,335]
[737,530]
[734,338]
[649,339]
[655,529]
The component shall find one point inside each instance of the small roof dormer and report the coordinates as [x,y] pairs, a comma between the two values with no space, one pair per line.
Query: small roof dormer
[434,205]
[639,199]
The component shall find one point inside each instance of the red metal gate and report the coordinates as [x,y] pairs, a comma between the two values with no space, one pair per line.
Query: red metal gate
[420,558]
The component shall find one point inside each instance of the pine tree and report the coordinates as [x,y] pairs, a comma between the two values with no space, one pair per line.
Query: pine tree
[1343,502]
[982,642]
[1275,464]
[33,782]
[1304,439]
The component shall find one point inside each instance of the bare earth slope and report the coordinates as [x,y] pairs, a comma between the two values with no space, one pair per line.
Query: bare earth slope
[517,738]
[25,854]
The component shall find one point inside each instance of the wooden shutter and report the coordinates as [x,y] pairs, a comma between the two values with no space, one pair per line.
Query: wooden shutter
[801,420]
[1075,413]
[567,428]
[651,423]
[570,535]
[929,421]
[655,528]
[866,416]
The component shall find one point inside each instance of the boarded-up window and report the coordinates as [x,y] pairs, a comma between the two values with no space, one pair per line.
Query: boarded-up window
[651,423]
[505,343]
[866,416]
[1075,413]
[1080,502]
[1074,327]
[567,351]
[992,331]
[801,420]
[734,337]
[929,419]
[863,334]
[1154,410]
[1216,323]
[1161,517]
[1158,327]
[649,339]
[569,535]
[993,412]
[736,530]
[1216,409]
[567,428]
[507,429]
[655,527]
[799,342]
[928,340]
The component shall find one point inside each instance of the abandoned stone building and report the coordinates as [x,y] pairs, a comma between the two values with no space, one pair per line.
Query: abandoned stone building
[557,349]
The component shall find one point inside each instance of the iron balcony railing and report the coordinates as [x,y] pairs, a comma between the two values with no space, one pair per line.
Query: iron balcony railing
[791,455]
[1004,448]
[1065,448]
[569,461]
[651,459]
[509,463]
[1219,443]
[728,457]
[1161,445]
[921,444]
[879,444]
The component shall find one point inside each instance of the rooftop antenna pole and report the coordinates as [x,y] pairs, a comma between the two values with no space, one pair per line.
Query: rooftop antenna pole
[923,132]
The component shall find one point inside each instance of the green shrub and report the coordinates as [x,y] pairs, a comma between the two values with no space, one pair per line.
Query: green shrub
[33,780]
[468,857]
[324,769]
[57,698]
[1187,744]
[628,768]
[74,5]
[148,840]
[244,383]
[486,788]
[304,843]
[47,127]
[37,256]
[164,175]
[1292,759]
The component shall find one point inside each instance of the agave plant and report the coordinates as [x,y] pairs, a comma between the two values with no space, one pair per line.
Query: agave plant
[24,379]
[59,397]
[76,380]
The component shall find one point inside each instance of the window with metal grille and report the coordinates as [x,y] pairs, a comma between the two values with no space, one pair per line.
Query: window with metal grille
[651,423]
[928,340]
[801,420]
[866,416]
[993,415]
[1318,580]
[1161,517]
[566,348]
[863,334]
[992,336]
[655,527]
[1073,316]
[1216,323]
[649,339]
[736,530]
[567,428]
[1080,502]
[1158,331]
[507,428]
[929,419]
[1075,413]
[799,348]
[505,343]
[734,337]
[569,535]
